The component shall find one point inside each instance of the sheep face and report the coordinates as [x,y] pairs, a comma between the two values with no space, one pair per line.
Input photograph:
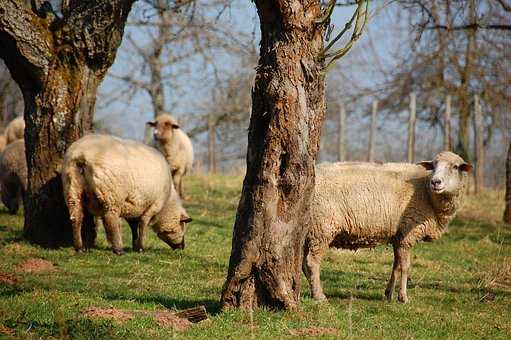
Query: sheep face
[449,173]
[164,127]
[173,232]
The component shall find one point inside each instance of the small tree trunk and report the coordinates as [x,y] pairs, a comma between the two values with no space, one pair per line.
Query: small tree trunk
[447,124]
[507,210]
[287,114]
[341,142]
[479,147]
[372,132]
[211,144]
[411,130]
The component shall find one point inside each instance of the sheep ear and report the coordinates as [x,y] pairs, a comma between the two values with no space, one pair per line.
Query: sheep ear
[428,165]
[185,218]
[152,124]
[175,126]
[466,167]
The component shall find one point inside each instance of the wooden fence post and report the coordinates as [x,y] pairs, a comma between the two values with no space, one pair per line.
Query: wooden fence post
[479,147]
[372,131]
[211,144]
[341,146]
[411,129]
[447,124]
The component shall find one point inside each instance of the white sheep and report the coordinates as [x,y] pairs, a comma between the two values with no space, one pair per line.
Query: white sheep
[175,145]
[112,178]
[13,175]
[3,142]
[15,130]
[361,205]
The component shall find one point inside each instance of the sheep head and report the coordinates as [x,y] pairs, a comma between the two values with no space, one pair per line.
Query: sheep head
[449,173]
[164,126]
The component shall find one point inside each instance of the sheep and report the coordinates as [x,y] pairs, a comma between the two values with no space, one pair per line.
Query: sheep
[175,146]
[3,142]
[110,178]
[13,175]
[365,205]
[15,130]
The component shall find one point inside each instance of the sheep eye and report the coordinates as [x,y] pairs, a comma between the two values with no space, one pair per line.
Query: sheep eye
[455,167]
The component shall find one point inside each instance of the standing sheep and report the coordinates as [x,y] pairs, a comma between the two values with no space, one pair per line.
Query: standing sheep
[112,178]
[3,142]
[175,146]
[362,206]
[15,130]
[13,175]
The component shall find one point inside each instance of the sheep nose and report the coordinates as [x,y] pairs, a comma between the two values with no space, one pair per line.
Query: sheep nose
[436,182]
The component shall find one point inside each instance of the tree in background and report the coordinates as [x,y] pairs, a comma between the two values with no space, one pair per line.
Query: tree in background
[58,60]
[168,41]
[288,109]
[454,50]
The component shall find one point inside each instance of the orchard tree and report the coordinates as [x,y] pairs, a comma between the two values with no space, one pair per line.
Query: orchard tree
[288,109]
[58,60]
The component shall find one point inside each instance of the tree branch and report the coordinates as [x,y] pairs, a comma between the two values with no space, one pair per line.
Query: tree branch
[474,26]
[25,39]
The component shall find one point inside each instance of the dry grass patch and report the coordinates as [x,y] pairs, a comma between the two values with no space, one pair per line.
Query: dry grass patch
[34,265]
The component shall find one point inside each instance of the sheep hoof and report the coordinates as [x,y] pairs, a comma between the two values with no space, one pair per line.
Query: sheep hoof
[388,295]
[139,249]
[118,251]
[402,298]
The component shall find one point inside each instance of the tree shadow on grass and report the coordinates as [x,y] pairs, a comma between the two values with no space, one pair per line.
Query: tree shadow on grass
[212,306]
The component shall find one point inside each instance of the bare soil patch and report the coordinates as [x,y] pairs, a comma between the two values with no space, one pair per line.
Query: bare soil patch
[313,331]
[178,321]
[8,279]
[34,265]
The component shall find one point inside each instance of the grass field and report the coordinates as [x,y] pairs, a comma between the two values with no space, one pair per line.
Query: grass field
[460,287]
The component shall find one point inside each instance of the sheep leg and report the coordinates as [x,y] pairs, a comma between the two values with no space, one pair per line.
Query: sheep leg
[392,281]
[404,263]
[142,226]
[112,226]
[178,183]
[133,222]
[76,217]
[311,269]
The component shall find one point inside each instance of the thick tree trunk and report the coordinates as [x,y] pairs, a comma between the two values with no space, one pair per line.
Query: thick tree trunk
[58,64]
[57,115]
[507,211]
[284,133]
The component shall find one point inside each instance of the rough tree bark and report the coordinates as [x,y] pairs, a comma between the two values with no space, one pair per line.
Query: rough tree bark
[284,133]
[58,62]
[507,211]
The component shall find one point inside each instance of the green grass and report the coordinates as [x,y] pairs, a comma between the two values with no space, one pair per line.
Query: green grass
[460,287]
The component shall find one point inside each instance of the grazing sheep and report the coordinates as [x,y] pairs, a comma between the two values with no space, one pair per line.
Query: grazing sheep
[112,178]
[175,146]
[15,130]
[365,205]
[13,175]
[3,142]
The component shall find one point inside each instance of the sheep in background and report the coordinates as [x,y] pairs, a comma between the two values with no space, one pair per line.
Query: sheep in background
[3,142]
[15,130]
[175,146]
[13,175]
[362,206]
[112,178]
